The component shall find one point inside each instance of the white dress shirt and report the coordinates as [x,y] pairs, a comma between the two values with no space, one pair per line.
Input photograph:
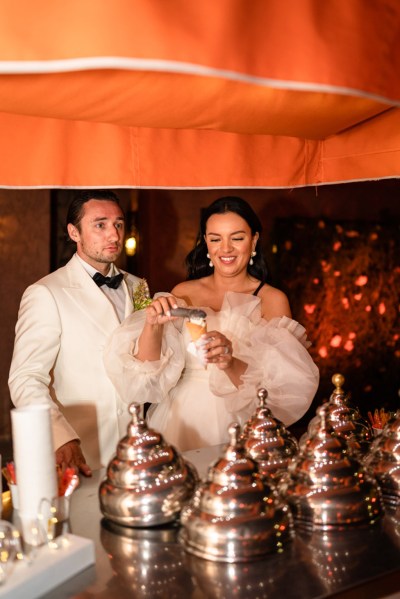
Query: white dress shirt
[116,296]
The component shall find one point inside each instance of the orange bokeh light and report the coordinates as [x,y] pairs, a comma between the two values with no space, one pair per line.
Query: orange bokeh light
[361,280]
[323,352]
[345,303]
[349,345]
[325,266]
[288,245]
[309,308]
[336,341]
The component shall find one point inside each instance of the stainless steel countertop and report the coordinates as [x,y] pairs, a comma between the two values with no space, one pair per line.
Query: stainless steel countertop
[151,562]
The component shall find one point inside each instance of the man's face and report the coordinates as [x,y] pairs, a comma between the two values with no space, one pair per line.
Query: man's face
[100,236]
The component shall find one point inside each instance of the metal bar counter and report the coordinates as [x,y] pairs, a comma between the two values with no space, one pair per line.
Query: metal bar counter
[152,563]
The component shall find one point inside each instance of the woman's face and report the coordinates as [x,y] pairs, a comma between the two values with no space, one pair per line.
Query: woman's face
[229,242]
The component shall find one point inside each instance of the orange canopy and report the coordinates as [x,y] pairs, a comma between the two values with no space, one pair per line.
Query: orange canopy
[177,94]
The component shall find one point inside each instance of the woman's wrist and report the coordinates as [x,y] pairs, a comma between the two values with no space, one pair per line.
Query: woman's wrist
[235,369]
[149,344]
[154,328]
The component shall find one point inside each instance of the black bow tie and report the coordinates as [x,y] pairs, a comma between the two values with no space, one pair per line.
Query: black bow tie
[113,282]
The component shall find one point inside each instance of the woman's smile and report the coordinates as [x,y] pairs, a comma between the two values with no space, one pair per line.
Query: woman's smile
[227,259]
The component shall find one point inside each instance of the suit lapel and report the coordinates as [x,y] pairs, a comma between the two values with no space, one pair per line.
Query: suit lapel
[88,298]
[128,288]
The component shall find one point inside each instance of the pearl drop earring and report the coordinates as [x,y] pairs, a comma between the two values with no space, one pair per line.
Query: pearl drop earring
[211,262]
[251,261]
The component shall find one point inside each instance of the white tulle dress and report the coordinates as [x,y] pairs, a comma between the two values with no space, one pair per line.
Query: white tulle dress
[193,406]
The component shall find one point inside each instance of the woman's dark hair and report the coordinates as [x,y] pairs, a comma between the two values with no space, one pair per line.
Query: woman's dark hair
[196,261]
[75,210]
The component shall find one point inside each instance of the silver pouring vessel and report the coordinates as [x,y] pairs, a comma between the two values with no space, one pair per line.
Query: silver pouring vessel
[267,440]
[326,486]
[147,482]
[344,418]
[235,515]
[383,459]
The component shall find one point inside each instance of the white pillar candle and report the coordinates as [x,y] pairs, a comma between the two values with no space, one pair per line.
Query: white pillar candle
[34,458]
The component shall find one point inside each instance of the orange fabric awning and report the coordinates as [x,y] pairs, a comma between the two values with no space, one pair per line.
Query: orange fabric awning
[148,93]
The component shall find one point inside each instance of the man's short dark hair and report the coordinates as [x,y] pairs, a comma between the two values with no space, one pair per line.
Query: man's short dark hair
[75,210]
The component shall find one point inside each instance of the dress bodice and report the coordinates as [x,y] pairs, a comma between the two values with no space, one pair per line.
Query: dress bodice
[193,406]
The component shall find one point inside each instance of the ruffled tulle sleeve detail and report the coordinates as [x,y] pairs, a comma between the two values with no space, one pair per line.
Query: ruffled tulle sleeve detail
[277,357]
[143,381]
[294,327]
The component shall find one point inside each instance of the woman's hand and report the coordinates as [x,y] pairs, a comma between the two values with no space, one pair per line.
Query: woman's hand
[158,312]
[218,349]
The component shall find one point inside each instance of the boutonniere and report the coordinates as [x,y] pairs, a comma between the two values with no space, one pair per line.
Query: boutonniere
[141,295]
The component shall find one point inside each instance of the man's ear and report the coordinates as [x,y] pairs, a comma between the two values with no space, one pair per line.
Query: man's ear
[73,232]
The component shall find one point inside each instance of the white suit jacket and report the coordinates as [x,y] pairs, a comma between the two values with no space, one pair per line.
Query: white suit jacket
[63,323]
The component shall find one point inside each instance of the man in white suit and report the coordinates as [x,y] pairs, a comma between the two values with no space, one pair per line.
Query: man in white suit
[63,323]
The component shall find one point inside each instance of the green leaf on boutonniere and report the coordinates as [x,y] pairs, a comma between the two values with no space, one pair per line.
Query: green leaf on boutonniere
[141,295]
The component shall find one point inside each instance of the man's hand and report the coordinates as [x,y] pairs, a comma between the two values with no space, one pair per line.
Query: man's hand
[70,455]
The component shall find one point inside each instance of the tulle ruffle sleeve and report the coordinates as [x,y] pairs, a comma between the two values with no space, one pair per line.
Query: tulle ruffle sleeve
[277,357]
[143,381]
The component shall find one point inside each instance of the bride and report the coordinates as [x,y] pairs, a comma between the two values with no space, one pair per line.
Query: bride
[251,340]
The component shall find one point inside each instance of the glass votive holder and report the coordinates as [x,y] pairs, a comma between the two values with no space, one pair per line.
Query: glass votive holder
[10,549]
[53,518]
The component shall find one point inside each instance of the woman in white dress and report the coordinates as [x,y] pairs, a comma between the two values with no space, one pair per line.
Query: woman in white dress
[251,340]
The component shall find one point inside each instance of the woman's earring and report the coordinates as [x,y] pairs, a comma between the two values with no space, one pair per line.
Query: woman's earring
[253,253]
[211,262]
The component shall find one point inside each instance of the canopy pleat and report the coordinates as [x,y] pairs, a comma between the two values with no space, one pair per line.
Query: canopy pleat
[155,94]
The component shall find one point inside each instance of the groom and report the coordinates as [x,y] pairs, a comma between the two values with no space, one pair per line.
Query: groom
[63,323]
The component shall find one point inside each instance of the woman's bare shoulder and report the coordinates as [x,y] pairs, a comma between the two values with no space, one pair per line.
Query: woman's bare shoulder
[274,302]
[195,292]
[186,291]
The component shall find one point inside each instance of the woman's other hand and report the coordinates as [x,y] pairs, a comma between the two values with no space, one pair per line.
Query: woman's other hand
[157,314]
[218,349]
